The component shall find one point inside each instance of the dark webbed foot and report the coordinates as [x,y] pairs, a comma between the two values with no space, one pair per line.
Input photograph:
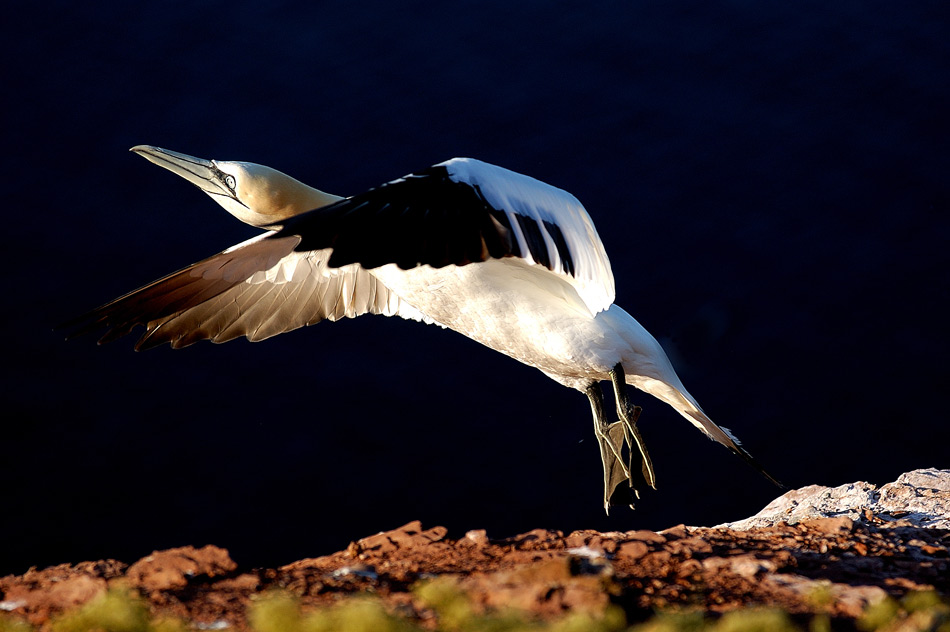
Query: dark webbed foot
[629,414]
[610,438]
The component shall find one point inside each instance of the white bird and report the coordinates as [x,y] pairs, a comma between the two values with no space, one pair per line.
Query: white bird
[497,256]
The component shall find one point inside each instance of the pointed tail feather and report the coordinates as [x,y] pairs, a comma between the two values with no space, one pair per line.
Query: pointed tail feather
[726,438]
[683,402]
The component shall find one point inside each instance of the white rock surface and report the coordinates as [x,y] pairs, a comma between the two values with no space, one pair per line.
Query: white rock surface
[920,497]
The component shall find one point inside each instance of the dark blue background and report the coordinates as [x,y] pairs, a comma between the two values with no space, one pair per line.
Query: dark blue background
[770,181]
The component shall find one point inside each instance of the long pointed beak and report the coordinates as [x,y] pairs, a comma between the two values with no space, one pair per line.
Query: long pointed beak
[202,173]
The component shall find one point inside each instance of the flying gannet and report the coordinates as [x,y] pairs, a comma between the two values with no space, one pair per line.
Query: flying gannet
[497,256]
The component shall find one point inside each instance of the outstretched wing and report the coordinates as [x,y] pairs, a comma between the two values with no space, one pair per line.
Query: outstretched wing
[258,289]
[300,290]
[317,265]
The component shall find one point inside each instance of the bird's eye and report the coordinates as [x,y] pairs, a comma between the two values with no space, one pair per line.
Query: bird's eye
[229,180]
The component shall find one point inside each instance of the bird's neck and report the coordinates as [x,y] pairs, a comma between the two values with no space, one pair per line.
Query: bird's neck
[277,197]
[294,200]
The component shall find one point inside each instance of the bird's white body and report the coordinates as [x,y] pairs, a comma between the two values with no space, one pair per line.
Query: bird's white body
[535,318]
[497,256]
[528,314]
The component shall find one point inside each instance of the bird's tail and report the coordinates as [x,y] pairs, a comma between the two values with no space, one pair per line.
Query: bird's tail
[683,402]
[726,438]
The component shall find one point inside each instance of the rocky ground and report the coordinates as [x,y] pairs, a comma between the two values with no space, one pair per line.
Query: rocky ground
[834,567]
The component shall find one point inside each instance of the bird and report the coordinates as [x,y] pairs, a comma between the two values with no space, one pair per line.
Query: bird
[500,257]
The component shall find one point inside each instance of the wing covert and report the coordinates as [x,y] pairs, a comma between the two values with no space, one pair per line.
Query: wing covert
[460,212]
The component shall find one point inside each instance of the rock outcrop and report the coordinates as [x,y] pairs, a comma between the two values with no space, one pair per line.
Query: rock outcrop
[815,552]
[920,498]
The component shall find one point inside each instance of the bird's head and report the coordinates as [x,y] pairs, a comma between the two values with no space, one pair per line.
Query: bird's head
[253,193]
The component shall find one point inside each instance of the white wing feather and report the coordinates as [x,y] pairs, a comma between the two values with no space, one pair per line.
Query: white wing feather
[518,194]
[299,290]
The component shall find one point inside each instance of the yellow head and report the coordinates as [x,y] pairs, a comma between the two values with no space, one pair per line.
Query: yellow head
[253,193]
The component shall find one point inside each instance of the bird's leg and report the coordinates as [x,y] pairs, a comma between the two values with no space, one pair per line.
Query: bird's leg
[610,438]
[629,414]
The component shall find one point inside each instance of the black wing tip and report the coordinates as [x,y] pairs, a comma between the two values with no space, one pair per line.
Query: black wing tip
[748,458]
[78,326]
[90,323]
[782,486]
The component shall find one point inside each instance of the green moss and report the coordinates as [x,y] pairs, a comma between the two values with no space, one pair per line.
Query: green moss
[755,620]
[745,620]
[924,600]
[169,624]
[10,623]
[115,610]
[445,597]
[456,614]
[280,612]
[612,620]
[674,622]
[358,614]
[878,615]
[275,612]
[918,610]
[821,596]
[820,623]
